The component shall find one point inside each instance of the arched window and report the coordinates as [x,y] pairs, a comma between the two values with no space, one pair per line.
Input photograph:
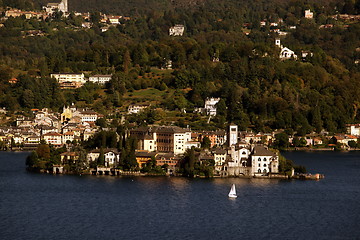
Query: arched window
[264,171]
[264,159]
[259,165]
[265,165]
[259,159]
[244,153]
[259,170]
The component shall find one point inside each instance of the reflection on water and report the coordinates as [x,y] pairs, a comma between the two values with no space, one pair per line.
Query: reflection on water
[41,206]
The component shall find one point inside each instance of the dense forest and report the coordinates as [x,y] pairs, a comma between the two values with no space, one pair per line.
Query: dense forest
[257,89]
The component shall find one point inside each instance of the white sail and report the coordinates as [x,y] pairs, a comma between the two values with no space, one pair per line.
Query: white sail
[232,193]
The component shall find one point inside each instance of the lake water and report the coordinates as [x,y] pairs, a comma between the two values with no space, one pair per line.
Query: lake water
[44,206]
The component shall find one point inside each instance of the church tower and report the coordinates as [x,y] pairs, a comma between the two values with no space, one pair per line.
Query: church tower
[233,134]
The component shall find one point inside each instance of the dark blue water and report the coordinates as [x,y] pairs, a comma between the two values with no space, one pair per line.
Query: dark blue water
[42,206]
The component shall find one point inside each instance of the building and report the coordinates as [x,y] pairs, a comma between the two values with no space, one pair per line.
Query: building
[285,53]
[52,7]
[69,80]
[114,19]
[172,139]
[210,106]
[100,79]
[111,156]
[177,30]
[233,134]
[136,108]
[69,157]
[309,14]
[143,157]
[353,129]
[220,156]
[53,138]
[168,139]
[264,161]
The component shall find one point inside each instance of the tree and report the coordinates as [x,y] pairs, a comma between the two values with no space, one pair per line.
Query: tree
[32,159]
[43,151]
[206,143]
[101,158]
[189,163]
[281,140]
[352,144]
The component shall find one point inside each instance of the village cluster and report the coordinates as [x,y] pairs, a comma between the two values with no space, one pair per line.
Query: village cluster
[232,152]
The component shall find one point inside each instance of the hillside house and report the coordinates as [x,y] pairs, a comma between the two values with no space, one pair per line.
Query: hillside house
[210,106]
[136,108]
[52,7]
[69,80]
[100,79]
[308,14]
[177,30]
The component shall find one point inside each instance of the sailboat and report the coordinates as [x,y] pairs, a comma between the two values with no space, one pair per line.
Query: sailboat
[232,193]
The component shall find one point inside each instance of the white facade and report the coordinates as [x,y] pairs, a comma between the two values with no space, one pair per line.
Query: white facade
[52,7]
[100,79]
[286,53]
[210,106]
[136,108]
[53,138]
[180,139]
[309,14]
[233,134]
[88,116]
[353,129]
[264,161]
[220,157]
[239,156]
[111,158]
[150,145]
[74,79]
[190,144]
[177,30]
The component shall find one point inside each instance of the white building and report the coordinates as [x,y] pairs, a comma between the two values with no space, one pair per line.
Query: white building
[264,161]
[69,80]
[111,156]
[210,106]
[136,108]
[100,79]
[52,7]
[233,134]
[353,129]
[177,30]
[219,157]
[309,14]
[88,116]
[285,53]
[53,138]
[239,156]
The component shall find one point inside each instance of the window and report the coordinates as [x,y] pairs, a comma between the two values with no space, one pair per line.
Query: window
[265,165]
[259,170]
